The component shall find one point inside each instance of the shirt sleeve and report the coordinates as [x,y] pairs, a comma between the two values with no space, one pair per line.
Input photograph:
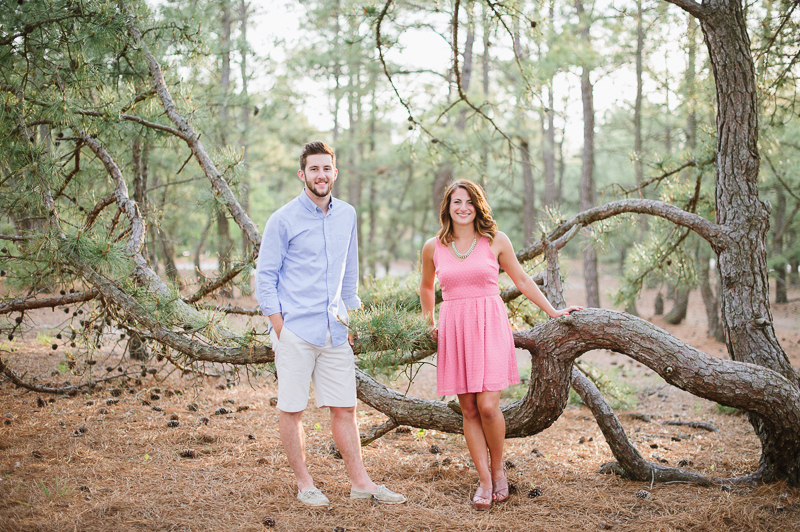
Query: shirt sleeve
[274,245]
[350,278]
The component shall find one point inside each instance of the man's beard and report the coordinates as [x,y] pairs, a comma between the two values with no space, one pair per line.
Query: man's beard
[317,194]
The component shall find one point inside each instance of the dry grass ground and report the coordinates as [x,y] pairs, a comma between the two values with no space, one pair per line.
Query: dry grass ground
[79,463]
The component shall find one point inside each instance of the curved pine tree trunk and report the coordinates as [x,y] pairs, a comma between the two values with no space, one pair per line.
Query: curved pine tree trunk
[742,264]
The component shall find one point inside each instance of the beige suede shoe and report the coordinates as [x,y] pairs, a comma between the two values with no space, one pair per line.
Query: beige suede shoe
[313,497]
[382,495]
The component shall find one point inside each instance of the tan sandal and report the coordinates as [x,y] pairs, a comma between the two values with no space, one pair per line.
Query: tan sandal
[500,490]
[482,499]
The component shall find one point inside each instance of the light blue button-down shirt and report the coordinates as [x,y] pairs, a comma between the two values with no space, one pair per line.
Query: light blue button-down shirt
[308,268]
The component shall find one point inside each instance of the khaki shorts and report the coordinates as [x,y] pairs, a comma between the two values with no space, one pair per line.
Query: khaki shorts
[298,362]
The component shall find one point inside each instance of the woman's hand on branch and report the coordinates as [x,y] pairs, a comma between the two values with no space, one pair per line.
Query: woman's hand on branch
[565,312]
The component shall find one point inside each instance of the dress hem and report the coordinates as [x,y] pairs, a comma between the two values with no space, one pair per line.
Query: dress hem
[489,388]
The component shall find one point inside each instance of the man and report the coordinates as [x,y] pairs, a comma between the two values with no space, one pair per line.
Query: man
[306,281]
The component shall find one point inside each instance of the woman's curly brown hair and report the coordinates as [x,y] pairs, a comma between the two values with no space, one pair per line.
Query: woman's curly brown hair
[484,223]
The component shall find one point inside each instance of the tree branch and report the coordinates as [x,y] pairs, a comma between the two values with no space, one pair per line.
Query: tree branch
[21,304]
[379,431]
[698,11]
[188,134]
[716,235]
[98,208]
[693,424]
[253,354]
[635,466]
[687,164]
[11,238]
[17,380]
[229,309]
[127,205]
[74,171]
[221,281]
[554,346]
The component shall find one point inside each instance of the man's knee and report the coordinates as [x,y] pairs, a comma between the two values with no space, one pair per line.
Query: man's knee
[343,412]
[291,417]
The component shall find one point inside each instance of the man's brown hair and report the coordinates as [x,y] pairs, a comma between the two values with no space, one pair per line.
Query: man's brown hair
[484,223]
[316,147]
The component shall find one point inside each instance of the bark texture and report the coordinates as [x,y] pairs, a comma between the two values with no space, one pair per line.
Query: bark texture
[742,265]
[554,346]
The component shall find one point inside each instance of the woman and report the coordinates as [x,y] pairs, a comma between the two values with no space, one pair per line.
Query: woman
[475,357]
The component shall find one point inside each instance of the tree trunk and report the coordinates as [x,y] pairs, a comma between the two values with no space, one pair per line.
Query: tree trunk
[445,171]
[637,107]
[486,26]
[244,186]
[658,308]
[529,200]
[551,197]
[742,264]
[198,250]
[224,247]
[354,178]
[442,178]
[561,170]
[139,164]
[678,312]
[137,348]
[168,253]
[225,71]
[224,242]
[709,299]
[548,150]
[587,190]
[779,212]
[466,71]
[689,81]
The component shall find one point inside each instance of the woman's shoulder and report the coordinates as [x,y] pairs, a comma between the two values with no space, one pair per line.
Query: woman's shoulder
[501,238]
[429,247]
[431,243]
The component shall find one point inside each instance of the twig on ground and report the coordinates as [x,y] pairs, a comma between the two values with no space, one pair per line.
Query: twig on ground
[693,424]
[378,431]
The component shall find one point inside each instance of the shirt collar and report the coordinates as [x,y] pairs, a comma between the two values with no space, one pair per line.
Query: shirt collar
[310,205]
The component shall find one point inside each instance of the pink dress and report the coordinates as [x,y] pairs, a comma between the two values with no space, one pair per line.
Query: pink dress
[476,348]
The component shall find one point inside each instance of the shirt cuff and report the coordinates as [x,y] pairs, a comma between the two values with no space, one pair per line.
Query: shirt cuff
[352,303]
[270,310]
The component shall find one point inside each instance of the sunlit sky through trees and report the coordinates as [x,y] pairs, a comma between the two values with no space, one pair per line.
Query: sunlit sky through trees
[279,26]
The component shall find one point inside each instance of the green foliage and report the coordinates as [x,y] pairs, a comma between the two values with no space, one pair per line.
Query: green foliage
[43,339]
[385,333]
[106,257]
[403,293]
[618,394]
[728,410]
[59,489]
[574,399]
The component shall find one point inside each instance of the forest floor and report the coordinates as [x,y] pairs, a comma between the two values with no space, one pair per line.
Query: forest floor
[110,460]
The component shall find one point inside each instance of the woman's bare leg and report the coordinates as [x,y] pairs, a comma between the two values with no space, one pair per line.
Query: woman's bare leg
[476,441]
[494,430]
